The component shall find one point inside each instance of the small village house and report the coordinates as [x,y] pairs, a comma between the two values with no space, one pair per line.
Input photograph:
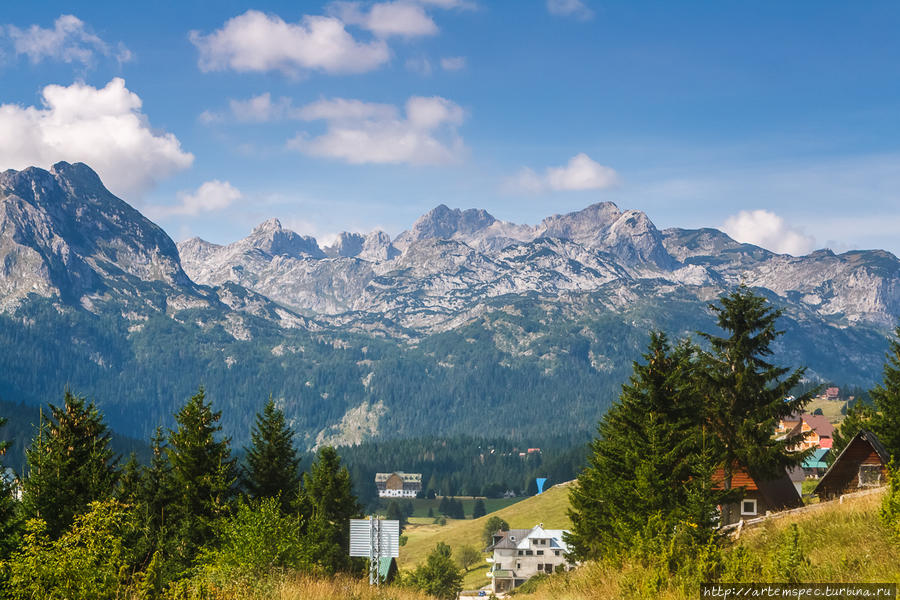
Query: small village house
[761,495]
[861,465]
[398,484]
[520,554]
[817,430]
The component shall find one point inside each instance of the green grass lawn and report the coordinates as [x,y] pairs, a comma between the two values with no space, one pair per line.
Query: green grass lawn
[549,508]
[421,505]
[831,409]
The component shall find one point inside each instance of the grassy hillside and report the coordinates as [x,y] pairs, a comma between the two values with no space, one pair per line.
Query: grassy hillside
[548,508]
[841,543]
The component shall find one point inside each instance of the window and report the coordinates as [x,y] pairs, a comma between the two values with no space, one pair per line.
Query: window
[521,553]
[556,552]
[518,565]
[512,538]
[540,567]
[748,506]
[540,552]
[869,475]
[529,553]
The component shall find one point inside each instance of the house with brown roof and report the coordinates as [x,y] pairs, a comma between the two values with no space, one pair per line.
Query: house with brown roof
[817,430]
[861,465]
[760,495]
[398,484]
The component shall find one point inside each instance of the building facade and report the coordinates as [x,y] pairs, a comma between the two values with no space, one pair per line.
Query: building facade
[861,465]
[520,554]
[398,484]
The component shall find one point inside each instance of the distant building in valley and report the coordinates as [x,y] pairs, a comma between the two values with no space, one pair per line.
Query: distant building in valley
[817,430]
[519,554]
[832,393]
[398,484]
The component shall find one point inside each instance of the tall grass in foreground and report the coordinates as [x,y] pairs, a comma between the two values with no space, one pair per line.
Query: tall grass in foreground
[837,543]
[299,587]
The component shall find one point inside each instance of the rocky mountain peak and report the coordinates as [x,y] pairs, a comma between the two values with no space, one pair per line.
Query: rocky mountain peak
[270,237]
[445,223]
[63,233]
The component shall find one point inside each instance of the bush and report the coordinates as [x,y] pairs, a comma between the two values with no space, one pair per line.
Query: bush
[890,506]
[253,541]
[91,560]
[438,576]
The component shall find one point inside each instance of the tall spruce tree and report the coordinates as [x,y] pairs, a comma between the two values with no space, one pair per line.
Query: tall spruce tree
[859,416]
[9,520]
[70,464]
[202,475]
[745,395]
[643,456]
[327,502]
[156,492]
[272,461]
[886,397]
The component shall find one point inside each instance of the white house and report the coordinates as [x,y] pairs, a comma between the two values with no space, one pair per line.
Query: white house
[520,554]
[398,484]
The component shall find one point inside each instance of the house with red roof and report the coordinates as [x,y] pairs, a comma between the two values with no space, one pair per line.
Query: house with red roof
[760,495]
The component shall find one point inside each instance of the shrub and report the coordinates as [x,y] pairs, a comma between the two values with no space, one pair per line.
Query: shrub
[91,560]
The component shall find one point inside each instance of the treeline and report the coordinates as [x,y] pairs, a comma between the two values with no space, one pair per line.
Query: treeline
[84,524]
[661,474]
[466,465]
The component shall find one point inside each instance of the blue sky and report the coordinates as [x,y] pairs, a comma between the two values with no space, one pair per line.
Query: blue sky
[777,121]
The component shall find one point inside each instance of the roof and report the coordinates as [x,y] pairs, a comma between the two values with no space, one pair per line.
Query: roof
[778,492]
[816,460]
[517,539]
[509,540]
[820,424]
[404,476]
[866,436]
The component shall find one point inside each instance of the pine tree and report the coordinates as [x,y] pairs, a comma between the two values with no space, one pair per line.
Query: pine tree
[745,395]
[859,416]
[203,474]
[642,457]
[70,464]
[9,521]
[327,502]
[478,510]
[272,462]
[886,397]
[129,487]
[156,491]
[439,576]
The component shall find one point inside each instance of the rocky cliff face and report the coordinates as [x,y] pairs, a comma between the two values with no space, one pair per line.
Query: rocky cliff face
[453,260]
[62,233]
[64,236]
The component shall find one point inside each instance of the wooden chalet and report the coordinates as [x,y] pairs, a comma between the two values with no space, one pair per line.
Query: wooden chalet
[760,495]
[861,465]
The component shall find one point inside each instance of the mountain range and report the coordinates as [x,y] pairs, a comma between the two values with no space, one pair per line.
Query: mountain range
[463,323]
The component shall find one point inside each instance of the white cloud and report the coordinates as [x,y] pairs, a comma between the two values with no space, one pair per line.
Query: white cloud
[69,41]
[103,128]
[420,65]
[569,8]
[453,63]
[255,41]
[211,196]
[260,109]
[359,132]
[385,19]
[581,173]
[766,229]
